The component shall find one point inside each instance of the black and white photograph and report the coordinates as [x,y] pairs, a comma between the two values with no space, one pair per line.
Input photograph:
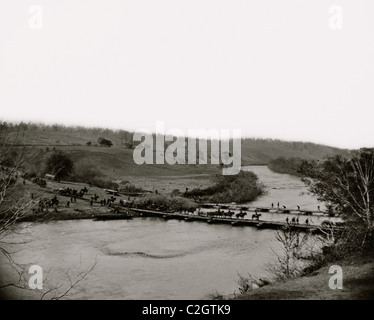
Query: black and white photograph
[178,150]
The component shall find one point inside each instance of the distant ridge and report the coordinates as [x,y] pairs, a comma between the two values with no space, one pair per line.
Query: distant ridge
[254,151]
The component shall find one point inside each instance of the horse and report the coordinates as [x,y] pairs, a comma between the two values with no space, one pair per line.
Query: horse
[256,216]
[229,214]
[241,214]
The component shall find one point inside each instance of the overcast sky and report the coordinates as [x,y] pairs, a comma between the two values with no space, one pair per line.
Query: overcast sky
[270,68]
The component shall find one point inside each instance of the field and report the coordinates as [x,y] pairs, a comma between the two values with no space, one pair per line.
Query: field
[116,164]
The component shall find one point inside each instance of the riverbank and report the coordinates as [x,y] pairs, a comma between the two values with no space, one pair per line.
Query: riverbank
[66,210]
[63,214]
[358,284]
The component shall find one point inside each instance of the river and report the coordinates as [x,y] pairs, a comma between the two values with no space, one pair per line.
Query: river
[149,258]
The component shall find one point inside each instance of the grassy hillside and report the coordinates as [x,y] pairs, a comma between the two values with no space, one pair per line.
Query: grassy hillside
[262,151]
[116,163]
[254,151]
[358,284]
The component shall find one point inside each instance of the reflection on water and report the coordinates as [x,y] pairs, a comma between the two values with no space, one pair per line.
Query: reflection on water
[149,258]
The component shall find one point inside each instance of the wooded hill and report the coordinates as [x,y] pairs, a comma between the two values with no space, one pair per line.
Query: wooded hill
[254,151]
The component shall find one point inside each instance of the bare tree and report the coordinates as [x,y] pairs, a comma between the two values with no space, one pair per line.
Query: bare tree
[293,255]
[69,283]
[13,204]
[16,206]
[347,185]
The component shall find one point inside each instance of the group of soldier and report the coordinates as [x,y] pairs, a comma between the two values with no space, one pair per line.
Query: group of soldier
[296,221]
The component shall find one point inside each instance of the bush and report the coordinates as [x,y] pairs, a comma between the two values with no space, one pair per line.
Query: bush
[60,165]
[249,283]
[165,203]
[10,159]
[130,189]
[285,165]
[104,142]
[86,173]
[243,187]
[176,192]
[348,242]
[105,184]
[216,296]
[297,251]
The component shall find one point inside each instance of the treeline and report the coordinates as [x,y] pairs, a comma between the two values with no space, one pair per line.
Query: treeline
[43,134]
[286,165]
[243,187]
[34,127]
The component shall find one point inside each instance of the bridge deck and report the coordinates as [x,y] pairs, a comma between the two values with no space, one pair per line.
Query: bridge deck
[233,221]
[274,209]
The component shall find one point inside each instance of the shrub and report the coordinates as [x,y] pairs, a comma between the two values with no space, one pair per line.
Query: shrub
[86,173]
[348,242]
[285,165]
[243,187]
[164,203]
[105,184]
[130,189]
[60,165]
[175,192]
[104,142]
